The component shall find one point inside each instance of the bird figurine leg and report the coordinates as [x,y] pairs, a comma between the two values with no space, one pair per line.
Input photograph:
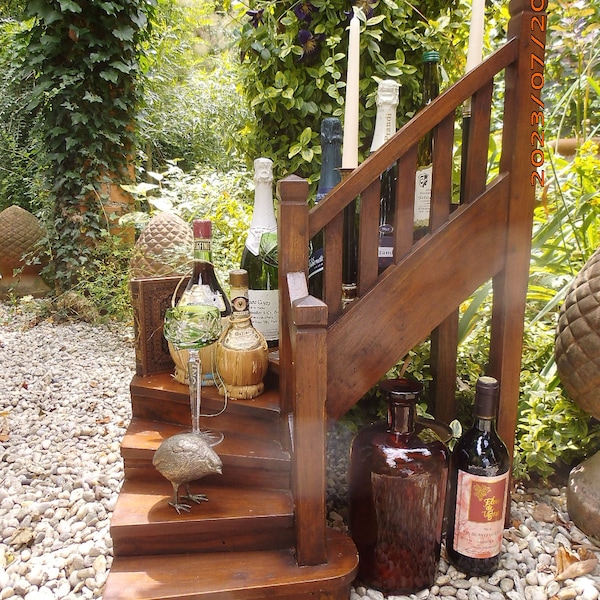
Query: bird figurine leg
[197,498]
[178,506]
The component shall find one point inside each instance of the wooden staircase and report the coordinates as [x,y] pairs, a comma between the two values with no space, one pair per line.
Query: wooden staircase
[239,544]
[263,532]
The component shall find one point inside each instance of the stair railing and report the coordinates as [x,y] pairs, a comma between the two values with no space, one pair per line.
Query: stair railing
[487,237]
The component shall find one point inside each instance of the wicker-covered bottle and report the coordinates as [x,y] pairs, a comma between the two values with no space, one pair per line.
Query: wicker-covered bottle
[242,351]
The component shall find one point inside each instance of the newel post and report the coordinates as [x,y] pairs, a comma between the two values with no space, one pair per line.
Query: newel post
[521,156]
[292,242]
[303,372]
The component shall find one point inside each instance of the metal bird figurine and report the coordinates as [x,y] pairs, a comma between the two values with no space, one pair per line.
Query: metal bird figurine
[183,458]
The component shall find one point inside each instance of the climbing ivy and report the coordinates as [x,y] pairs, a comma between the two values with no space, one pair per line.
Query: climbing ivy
[84,58]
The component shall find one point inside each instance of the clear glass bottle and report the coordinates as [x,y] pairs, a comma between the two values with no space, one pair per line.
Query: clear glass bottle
[385,128]
[479,479]
[258,253]
[424,175]
[397,488]
[331,162]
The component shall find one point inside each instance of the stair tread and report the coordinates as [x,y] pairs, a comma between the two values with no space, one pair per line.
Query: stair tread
[232,575]
[145,503]
[143,437]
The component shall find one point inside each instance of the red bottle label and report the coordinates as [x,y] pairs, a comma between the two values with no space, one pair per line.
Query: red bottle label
[479,517]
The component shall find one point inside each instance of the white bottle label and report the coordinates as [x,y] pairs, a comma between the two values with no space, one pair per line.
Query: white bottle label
[479,517]
[423,179]
[264,309]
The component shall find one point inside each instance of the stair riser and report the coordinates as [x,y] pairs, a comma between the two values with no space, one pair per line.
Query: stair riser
[271,534]
[243,477]
[174,411]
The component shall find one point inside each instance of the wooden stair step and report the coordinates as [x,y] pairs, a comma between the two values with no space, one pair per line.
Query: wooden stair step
[161,398]
[248,460]
[252,575]
[234,518]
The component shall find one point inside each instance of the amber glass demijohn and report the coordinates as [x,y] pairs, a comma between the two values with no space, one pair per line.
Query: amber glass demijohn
[397,488]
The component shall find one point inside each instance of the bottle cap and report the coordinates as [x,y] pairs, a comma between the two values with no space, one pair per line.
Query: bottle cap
[238,278]
[401,390]
[431,56]
[486,397]
[202,229]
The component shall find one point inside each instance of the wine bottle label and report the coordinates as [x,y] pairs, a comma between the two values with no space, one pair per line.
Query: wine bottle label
[479,516]
[315,262]
[264,308]
[245,338]
[423,179]
[201,245]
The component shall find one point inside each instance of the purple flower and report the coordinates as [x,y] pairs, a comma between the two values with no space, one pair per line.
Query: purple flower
[303,11]
[311,44]
[256,16]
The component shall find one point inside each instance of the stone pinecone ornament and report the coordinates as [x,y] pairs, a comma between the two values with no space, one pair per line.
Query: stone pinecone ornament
[20,231]
[577,345]
[164,248]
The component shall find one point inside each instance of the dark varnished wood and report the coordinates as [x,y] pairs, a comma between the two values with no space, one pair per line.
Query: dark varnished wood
[259,461]
[233,519]
[235,575]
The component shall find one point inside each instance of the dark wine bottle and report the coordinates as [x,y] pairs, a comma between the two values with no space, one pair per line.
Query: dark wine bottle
[397,487]
[479,478]
[385,128]
[331,161]
[259,257]
[424,174]
[202,288]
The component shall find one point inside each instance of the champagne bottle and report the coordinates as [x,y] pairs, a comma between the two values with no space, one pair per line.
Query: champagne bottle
[202,288]
[331,161]
[424,174]
[479,478]
[242,352]
[385,128]
[259,257]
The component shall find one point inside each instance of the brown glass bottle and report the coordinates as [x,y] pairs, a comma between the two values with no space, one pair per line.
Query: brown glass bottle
[397,488]
[479,476]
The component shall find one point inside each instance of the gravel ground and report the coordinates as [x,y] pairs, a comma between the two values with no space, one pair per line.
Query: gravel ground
[64,407]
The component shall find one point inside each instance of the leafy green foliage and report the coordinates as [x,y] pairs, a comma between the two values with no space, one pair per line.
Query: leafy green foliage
[192,109]
[225,198]
[83,57]
[294,61]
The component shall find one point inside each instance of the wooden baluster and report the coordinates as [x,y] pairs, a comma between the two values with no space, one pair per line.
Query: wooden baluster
[368,237]
[444,339]
[521,118]
[332,274]
[478,143]
[405,204]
